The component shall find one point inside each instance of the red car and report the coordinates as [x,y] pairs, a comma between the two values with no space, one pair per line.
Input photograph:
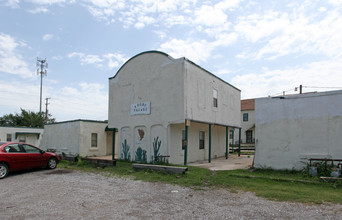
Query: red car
[16,156]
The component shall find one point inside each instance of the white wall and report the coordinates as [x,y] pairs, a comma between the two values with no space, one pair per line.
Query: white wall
[290,131]
[30,138]
[199,86]
[86,129]
[75,137]
[64,137]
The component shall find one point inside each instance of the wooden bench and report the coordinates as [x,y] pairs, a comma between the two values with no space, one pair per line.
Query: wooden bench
[166,169]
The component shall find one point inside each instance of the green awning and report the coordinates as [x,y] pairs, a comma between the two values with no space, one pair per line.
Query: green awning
[26,133]
[110,129]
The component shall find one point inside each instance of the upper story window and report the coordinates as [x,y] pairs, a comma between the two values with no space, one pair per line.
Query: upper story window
[215,103]
[94,140]
[245,117]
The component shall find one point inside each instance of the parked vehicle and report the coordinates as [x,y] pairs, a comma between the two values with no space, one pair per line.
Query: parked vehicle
[15,156]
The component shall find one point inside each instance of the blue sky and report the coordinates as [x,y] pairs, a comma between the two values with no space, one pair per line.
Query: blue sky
[261,47]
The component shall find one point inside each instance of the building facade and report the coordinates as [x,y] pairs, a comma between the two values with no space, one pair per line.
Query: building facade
[21,134]
[292,129]
[78,137]
[170,108]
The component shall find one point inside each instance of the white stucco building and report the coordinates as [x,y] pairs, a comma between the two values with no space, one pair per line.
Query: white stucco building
[163,106]
[21,134]
[78,137]
[292,129]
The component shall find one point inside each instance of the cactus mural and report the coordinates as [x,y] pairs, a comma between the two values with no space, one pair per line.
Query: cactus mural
[125,155]
[140,155]
[156,148]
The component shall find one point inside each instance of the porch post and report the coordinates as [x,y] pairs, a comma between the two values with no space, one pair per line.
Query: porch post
[186,144]
[227,136]
[239,141]
[113,145]
[209,159]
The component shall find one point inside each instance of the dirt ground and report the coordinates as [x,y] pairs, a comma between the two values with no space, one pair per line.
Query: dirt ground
[65,194]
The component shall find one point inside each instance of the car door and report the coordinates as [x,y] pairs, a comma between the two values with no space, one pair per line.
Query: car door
[15,156]
[34,157]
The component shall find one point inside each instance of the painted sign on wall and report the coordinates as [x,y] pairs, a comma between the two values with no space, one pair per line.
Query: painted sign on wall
[142,108]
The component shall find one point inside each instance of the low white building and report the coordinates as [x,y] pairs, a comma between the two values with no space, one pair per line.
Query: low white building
[78,137]
[173,108]
[292,129]
[21,134]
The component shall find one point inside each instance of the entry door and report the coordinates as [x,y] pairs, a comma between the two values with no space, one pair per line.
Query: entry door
[249,136]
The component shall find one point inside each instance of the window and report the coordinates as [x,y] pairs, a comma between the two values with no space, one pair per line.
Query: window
[201,139]
[13,148]
[249,136]
[215,104]
[183,140]
[94,140]
[30,149]
[231,134]
[22,139]
[245,116]
[9,137]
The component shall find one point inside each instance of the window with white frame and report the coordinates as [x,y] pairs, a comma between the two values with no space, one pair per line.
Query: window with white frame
[94,140]
[215,100]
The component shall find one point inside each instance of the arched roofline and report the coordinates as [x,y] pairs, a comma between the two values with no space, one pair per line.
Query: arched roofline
[145,52]
[167,55]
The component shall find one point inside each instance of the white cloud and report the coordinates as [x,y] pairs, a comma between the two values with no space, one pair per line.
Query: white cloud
[109,60]
[11,61]
[39,10]
[47,2]
[12,3]
[47,37]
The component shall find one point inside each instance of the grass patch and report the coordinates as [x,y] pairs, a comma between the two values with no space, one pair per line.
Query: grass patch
[270,184]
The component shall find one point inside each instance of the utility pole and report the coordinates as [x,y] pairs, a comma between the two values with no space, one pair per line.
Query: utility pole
[42,66]
[46,109]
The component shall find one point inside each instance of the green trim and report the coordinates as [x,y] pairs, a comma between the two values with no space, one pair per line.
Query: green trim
[79,120]
[20,127]
[186,145]
[205,122]
[165,54]
[150,51]
[111,129]
[239,141]
[26,133]
[227,136]
[209,159]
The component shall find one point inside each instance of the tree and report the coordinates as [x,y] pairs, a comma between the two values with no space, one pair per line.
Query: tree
[26,119]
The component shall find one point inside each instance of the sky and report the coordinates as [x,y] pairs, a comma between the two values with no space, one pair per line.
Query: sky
[264,48]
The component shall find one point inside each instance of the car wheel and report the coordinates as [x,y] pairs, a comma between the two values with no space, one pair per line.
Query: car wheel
[3,170]
[52,163]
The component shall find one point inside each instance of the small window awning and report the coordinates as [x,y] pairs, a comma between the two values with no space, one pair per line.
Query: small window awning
[27,133]
[110,129]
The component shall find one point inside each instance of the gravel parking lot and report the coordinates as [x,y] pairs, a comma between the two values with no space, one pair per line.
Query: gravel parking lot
[66,194]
